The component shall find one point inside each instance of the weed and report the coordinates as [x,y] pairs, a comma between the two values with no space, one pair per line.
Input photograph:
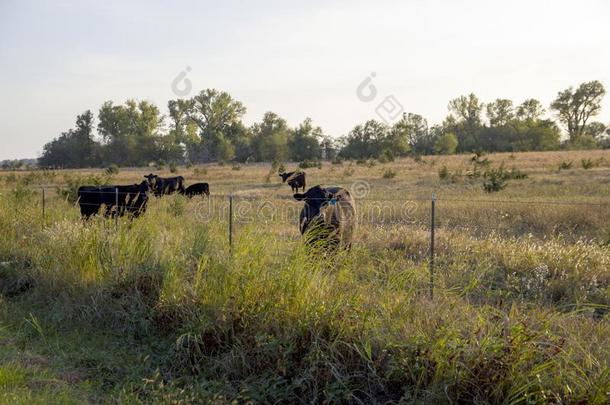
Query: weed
[389,174]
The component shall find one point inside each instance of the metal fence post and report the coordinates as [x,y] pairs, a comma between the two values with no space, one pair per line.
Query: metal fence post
[43,208]
[432,226]
[116,203]
[231,222]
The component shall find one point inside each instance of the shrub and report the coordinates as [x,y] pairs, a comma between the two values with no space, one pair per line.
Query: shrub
[389,174]
[361,162]
[494,180]
[444,173]
[587,164]
[236,167]
[111,170]
[565,165]
[160,165]
[338,160]
[371,163]
[173,167]
[70,191]
[305,164]
[386,156]
[446,144]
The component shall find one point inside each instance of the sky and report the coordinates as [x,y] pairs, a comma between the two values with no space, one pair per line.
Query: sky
[338,62]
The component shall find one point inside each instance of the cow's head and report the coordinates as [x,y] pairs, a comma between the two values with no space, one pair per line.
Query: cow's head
[315,199]
[284,176]
[151,179]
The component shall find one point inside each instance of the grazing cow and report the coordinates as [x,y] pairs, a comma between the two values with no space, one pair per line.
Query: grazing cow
[197,189]
[296,180]
[117,199]
[165,185]
[329,214]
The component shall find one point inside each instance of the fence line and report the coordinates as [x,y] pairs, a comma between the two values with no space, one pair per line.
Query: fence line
[240,196]
[434,200]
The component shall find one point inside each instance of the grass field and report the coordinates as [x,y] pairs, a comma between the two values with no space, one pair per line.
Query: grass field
[162,309]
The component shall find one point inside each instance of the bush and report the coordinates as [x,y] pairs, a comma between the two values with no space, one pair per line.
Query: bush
[305,164]
[386,156]
[236,167]
[337,160]
[70,191]
[587,164]
[446,144]
[361,162]
[565,165]
[160,165]
[444,173]
[495,180]
[371,163]
[111,170]
[389,174]
[173,167]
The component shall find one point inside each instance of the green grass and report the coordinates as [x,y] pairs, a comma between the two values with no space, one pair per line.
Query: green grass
[160,309]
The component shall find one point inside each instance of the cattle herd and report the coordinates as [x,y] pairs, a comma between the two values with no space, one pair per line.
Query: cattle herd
[328,213]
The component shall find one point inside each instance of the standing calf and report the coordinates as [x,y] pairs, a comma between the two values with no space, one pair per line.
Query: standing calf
[296,180]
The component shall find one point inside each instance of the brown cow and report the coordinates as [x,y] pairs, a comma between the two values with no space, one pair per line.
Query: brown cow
[329,214]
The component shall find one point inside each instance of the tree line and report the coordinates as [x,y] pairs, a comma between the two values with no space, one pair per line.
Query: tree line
[208,127]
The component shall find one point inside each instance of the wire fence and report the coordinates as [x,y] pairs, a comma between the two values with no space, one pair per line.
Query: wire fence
[278,214]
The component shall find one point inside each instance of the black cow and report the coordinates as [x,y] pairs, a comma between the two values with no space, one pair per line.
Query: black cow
[329,214]
[165,185]
[197,189]
[296,180]
[117,199]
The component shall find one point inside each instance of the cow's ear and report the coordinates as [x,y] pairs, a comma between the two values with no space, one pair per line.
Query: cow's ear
[299,197]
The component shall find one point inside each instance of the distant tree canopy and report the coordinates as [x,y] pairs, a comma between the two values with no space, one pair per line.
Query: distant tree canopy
[208,127]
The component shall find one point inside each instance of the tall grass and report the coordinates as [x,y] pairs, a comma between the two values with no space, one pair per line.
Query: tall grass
[513,319]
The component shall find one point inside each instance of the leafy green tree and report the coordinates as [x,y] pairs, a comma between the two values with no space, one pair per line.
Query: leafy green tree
[304,144]
[365,141]
[446,144]
[530,110]
[270,138]
[218,117]
[75,148]
[329,147]
[595,129]
[464,121]
[411,134]
[500,112]
[131,132]
[574,108]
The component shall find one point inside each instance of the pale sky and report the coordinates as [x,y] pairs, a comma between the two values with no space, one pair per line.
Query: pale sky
[297,59]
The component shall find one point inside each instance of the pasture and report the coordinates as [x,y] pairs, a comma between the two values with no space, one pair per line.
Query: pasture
[162,308]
